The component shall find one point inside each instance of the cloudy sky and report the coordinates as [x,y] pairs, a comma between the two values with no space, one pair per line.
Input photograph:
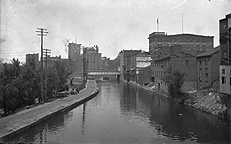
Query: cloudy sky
[113,25]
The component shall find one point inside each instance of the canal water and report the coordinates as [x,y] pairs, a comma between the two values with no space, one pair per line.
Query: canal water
[123,113]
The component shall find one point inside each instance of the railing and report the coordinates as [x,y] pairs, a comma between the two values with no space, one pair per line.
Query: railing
[104,73]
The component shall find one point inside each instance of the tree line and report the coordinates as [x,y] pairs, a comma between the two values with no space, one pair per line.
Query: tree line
[20,83]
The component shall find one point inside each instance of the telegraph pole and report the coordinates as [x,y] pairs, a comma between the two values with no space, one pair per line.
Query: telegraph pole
[84,59]
[42,32]
[47,51]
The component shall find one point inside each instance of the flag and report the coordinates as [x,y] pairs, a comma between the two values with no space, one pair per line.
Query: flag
[157,21]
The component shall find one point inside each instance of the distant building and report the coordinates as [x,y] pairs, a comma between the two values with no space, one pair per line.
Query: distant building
[73,51]
[113,65]
[225,54]
[208,69]
[32,58]
[51,60]
[143,68]
[93,57]
[105,63]
[128,62]
[190,43]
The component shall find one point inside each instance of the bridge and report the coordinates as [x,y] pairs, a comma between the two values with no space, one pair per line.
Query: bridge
[104,73]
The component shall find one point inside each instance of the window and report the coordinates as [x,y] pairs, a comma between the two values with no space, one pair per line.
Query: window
[223,80]
[206,69]
[187,63]
[230,81]
[223,71]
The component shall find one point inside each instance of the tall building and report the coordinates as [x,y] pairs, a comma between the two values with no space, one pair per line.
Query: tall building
[73,51]
[208,69]
[225,54]
[93,57]
[191,43]
[32,58]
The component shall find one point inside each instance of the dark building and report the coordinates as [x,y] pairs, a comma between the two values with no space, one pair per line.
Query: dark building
[128,61]
[73,50]
[184,62]
[105,63]
[208,69]
[190,43]
[32,58]
[225,54]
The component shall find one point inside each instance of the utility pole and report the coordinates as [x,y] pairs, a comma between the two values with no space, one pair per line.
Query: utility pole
[46,52]
[84,65]
[42,32]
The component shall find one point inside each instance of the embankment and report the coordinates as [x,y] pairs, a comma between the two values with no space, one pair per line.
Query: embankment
[18,122]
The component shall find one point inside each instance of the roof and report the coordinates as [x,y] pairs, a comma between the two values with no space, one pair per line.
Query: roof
[166,57]
[184,34]
[128,53]
[209,52]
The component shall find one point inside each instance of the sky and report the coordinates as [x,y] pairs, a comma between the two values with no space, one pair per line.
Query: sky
[113,25]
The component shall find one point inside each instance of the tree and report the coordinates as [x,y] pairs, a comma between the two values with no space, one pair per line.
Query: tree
[9,77]
[19,85]
[53,81]
[175,80]
[63,73]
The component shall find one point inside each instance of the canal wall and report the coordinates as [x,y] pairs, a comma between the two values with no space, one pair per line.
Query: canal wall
[209,102]
[19,122]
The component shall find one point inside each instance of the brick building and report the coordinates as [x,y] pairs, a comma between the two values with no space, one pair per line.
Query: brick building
[225,54]
[208,69]
[184,62]
[191,43]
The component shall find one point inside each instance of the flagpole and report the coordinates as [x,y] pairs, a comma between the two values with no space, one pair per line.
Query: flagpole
[157,25]
[182,23]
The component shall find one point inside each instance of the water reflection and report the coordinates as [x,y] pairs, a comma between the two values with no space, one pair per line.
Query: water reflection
[122,113]
[174,121]
[83,122]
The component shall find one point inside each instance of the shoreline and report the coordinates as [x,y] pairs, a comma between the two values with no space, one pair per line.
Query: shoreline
[200,106]
[45,111]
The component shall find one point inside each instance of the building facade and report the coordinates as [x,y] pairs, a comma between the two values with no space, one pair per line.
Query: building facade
[105,63]
[191,43]
[93,58]
[225,54]
[34,58]
[208,69]
[184,62]
[73,51]
[128,62]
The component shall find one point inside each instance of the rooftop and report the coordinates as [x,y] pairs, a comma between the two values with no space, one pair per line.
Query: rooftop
[184,34]
[209,52]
